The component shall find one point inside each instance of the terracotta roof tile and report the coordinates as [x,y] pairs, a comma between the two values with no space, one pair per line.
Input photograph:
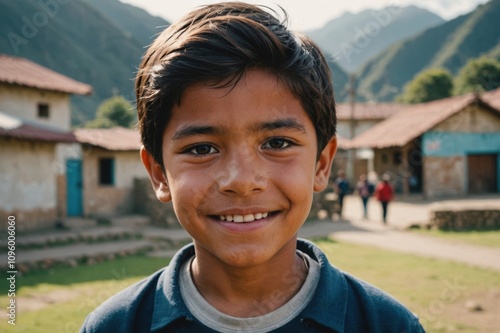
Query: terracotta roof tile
[24,72]
[12,127]
[116,138]
[416,119]
[368,111]
[492,98]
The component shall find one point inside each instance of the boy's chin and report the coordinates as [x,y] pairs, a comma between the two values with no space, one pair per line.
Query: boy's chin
[240,255]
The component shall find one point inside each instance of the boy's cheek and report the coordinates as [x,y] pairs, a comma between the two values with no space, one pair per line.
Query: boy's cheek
[194,193]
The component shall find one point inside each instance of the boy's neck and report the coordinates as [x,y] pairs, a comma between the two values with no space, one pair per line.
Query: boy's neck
[250,291]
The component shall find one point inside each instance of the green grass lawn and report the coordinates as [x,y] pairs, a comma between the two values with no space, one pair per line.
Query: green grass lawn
[88,286]
[434,289]
[490,238]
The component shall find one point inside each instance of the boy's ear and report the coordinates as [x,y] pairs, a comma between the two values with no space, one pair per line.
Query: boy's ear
[156,175]
[324,165]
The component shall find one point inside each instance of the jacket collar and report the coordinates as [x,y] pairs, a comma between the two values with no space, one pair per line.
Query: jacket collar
[328,306]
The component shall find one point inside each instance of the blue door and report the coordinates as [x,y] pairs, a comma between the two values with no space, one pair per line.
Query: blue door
[74,187]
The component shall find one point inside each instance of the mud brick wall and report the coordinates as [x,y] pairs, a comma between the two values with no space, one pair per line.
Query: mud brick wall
[465,219]
[146,203]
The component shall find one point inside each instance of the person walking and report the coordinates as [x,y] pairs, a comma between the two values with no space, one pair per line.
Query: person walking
[384,193]
[365,190]
[341,187]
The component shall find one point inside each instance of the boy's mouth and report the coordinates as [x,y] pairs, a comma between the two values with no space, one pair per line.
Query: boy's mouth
[243,218]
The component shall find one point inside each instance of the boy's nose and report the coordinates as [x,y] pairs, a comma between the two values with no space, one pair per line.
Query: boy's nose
[242,175]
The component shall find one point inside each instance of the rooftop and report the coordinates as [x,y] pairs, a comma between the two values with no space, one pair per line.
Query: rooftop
[368,111]
[492,98]
[415,120]
[12,127]
[116,138]
[23,72]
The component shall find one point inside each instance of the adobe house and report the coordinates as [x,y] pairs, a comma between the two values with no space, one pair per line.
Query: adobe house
[352,120]
[110,162]
[29,173]
[36,145]
[448,147]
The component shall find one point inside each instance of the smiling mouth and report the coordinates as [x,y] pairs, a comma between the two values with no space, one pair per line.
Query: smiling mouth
[243,218]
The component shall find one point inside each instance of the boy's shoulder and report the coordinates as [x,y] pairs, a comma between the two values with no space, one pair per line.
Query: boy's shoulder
[117,314]
[142,306]
[343,302]
[381,311]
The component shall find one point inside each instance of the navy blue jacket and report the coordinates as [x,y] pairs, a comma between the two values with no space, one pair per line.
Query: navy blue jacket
[341,303]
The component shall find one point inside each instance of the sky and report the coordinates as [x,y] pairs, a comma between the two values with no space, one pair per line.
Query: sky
[311,14]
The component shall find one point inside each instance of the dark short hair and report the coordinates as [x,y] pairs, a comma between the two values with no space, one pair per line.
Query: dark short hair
[215,45]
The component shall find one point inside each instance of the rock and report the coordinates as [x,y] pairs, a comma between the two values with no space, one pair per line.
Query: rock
[473,306]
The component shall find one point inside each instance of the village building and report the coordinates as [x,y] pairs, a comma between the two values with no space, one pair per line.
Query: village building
[108,166]
[35,141]
[449,147]
[353,120]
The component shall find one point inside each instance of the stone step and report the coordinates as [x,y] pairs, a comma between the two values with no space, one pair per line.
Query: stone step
[76,235]
[74,254]
[163,253]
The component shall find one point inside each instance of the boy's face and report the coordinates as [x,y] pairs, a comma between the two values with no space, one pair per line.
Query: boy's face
[241,168]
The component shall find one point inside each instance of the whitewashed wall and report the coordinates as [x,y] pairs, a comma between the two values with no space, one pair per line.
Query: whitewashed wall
[22,102]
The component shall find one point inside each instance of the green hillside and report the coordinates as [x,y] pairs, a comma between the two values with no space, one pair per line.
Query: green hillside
[134,21]
[355,38]
[449,45]
[340,80]
[80,40]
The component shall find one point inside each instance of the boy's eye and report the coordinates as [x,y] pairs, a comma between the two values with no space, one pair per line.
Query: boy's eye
[277,143]
[203,149]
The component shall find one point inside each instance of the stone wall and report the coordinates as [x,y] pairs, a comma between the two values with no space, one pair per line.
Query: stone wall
[465,219]
[146,203]
[444,176]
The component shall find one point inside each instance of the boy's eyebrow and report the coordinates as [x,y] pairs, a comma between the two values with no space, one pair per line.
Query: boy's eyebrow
[193,130]
[289,123]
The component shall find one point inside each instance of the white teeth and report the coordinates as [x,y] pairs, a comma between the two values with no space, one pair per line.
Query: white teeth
[243,218]
[248,218]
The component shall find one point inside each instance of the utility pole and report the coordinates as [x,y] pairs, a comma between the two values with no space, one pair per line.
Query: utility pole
[351,153]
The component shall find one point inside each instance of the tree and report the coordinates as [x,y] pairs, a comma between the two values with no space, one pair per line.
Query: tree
[480,74]
[427,86]
[115,111]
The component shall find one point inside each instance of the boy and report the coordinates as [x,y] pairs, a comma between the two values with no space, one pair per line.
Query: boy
[237,118]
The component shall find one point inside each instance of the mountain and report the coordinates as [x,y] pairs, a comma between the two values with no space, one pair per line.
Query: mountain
[340,80]
[87,40]
[355,38]
[449,46]
[135,22]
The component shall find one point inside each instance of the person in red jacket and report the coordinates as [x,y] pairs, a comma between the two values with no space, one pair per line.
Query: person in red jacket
[384,193]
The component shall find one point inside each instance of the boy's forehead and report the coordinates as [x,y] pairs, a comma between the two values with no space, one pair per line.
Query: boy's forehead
[260,100]
[254,86]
